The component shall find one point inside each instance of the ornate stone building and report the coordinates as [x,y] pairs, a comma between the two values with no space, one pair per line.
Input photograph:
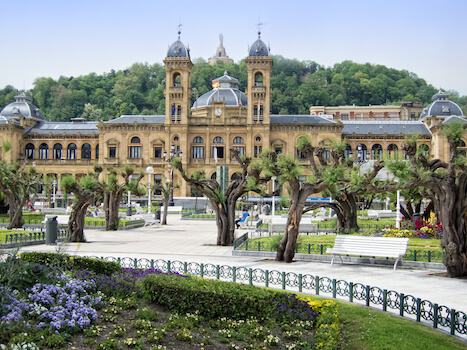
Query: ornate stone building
[222,119]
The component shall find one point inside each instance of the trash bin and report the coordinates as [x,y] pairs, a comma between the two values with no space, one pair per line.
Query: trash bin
[416,216]
[51,226]
[157,214]
[128,210]
[267,209]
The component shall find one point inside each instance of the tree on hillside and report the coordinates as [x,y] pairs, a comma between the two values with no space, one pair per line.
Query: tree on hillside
[445,184]
[223,203]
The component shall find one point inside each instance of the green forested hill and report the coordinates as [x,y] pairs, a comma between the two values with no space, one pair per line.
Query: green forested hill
[296,85]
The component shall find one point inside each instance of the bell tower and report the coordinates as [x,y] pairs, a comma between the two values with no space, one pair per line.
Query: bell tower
[177,93]
[259,65]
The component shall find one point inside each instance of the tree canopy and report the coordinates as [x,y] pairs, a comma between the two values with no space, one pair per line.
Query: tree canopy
[297,86]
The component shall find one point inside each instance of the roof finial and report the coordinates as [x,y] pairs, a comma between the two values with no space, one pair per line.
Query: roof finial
[259,25]
[179,29]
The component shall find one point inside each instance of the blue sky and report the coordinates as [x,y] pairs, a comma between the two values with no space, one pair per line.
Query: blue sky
[71,38]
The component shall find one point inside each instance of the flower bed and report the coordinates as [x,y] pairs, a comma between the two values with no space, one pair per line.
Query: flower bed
[419,229]
[91,308]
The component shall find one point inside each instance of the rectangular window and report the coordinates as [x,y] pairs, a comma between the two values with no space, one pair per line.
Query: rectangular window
[278,150]
[300,155]
[198,152]
[135,152]
[157,152]
[157,184]
[240,149]
[218,152]
[112,152]
[71,153]
[258,151]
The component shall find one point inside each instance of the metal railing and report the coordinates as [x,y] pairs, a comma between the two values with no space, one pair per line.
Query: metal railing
[389,300]
[314,248]
[21,237]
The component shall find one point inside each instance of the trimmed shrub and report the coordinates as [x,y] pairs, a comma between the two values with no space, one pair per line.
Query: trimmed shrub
[215,299]
[69,262]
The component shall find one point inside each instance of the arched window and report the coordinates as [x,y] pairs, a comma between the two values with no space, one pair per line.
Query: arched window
[57,154]
[235,177]
[461,149]
[43,151]
[362,152]
[29,151]
[238,139]
[214,176]
[71,151]
[198,151]
[218,151]
[241,149]
[348,151]
[258,113]
[425,150]
[258,79]
[392,150]
[258,139]
[177,78]
[377,151]
[86,151]
[135,151]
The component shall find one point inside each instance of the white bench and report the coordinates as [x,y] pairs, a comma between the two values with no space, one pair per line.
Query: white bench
[172,209]
[149,220]
[386,247]
[278,225]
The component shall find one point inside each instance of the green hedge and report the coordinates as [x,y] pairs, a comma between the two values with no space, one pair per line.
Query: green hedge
[70,262]
[215,299]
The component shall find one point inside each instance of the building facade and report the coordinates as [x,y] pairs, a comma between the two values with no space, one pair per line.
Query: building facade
[205,132]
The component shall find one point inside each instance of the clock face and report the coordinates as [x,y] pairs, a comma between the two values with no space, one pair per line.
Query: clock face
[218,111]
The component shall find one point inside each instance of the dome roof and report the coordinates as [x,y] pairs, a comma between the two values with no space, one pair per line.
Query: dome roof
[22,107]
[442,107]
[177,49]
[225,90]
[259,48]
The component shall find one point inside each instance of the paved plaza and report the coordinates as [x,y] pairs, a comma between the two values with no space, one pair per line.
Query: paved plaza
[195,241]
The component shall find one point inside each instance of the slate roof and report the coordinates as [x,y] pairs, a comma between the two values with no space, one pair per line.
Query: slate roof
[59,128]
[22,107]
[376,127]
[301,119]
[259,48]
[140,119]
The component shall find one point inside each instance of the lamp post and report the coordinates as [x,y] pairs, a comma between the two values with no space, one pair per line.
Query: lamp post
[54,186]
[172,155]
[398,212]
[149,171]
[273,197]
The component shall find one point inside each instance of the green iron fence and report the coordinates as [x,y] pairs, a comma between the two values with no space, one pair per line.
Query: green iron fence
[388,300]
[412,254]
[21,237]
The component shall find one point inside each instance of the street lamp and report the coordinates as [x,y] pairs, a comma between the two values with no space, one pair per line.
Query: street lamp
[398,212]
[149,171]
[172,155]
[54,185]
[273,198]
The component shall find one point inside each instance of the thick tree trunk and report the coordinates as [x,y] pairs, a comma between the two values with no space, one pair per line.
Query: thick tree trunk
[348,204]
[76,222]
[286,247]
[452,215]
[164,215]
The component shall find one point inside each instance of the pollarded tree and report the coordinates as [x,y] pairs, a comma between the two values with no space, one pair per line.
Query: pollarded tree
[445,184]
[86,190]
[223,203]
[113,190]
[287,170]
[18,182]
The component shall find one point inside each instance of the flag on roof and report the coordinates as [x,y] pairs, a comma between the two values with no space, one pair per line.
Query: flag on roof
[215,84]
